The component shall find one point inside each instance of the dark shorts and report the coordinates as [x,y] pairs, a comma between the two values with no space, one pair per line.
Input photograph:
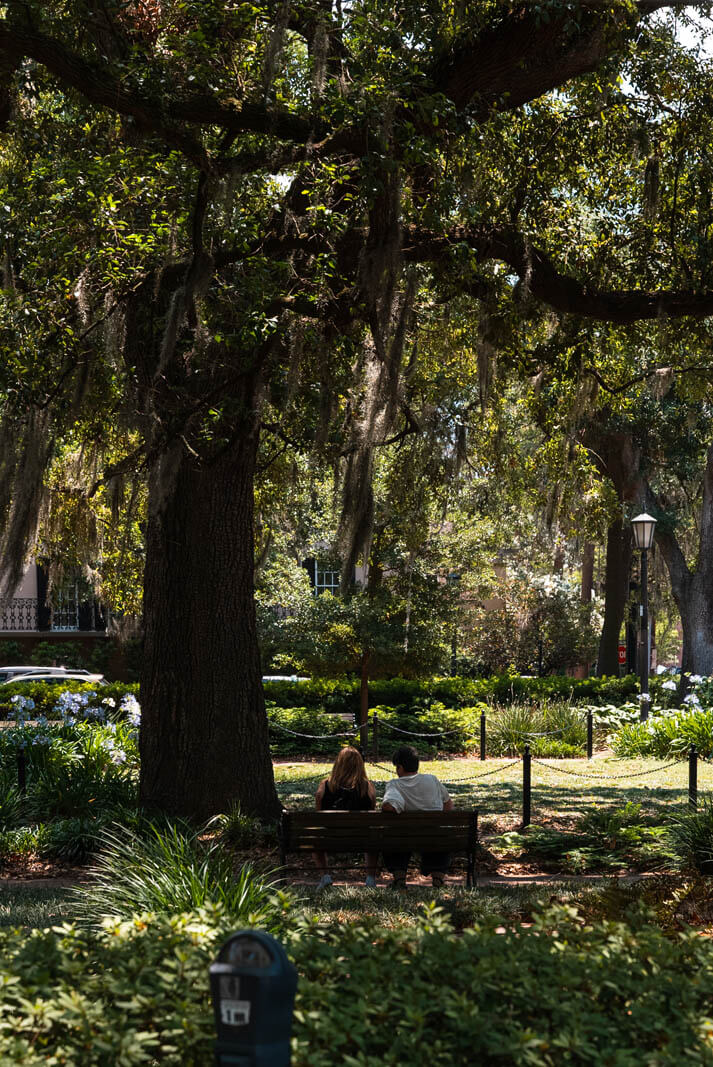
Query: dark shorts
[431,862]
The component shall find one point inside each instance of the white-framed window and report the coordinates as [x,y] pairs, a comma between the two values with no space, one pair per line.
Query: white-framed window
[326,581]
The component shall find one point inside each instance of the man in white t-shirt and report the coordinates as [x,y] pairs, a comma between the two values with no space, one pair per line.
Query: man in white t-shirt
[412,791]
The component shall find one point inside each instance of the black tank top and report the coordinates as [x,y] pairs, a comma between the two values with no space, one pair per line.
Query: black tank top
[345,799]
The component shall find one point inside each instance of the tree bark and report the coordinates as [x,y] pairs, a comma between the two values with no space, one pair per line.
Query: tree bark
[692,590]
[587,572]
[364,698]
[616,595]
[204,743]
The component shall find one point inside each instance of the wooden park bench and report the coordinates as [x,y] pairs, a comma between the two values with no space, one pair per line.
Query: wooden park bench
[381,831]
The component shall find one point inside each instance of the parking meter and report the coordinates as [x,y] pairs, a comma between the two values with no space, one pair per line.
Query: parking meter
[253,985]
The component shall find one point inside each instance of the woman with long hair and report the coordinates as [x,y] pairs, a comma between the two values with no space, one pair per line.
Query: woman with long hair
[346,789]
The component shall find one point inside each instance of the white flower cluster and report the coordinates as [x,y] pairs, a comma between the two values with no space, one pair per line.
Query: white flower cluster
[131,708]
[116,753]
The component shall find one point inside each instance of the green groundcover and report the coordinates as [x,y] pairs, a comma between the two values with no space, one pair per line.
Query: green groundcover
[557,992]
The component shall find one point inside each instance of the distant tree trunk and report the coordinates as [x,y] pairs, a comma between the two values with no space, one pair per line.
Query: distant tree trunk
[587,572]
[364,698]
[616,593]
[204,742]
[692,589]
[587,583]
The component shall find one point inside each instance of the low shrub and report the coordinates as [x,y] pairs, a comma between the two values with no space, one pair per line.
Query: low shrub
[239,830]
[562,992]
[665,734]
[79,789]
[603,839]
[325,733]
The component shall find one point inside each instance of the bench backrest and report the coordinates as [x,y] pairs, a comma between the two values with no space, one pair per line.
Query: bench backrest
[378,831]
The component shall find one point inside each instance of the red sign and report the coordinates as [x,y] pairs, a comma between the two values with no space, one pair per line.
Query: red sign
[622,654]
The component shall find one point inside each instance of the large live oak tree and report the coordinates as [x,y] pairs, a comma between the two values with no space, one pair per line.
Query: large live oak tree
[315,167]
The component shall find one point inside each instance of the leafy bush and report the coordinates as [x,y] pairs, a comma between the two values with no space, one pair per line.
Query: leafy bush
[286,724]
[73,654]
[562,992]
[690,836]
[168,867]
[238,830]
[73,840]
[666,734]
[79,789]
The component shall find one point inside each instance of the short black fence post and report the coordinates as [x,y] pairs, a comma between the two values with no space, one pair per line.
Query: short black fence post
[375,735]
[21,771]
[482,735]
[364,736]
[526,785]
[693,776]
[590,733]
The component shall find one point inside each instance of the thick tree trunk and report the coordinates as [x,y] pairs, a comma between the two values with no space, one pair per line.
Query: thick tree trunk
[616,593]
[695,604]
[692,590]
[204,742]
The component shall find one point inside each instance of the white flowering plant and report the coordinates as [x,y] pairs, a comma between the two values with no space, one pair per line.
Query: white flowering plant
[86,735]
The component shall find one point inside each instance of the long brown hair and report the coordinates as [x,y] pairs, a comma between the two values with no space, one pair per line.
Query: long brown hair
[349,772]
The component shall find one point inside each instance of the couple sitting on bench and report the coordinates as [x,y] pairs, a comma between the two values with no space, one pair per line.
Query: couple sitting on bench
[349,789]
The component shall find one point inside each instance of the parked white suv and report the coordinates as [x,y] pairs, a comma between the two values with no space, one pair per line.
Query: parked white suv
[9,675]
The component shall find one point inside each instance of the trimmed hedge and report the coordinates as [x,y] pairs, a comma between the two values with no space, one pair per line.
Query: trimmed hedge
[306,721]
[559,993]
[342,695]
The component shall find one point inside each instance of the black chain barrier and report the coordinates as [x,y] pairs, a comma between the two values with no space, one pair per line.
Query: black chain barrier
[413,733]
[608,777]
[486,774]
[313,737]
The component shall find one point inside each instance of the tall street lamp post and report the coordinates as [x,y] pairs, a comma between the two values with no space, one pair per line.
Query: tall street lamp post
[643,527]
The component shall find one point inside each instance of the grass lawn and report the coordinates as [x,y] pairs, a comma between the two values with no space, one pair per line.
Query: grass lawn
[560,791]
[35,907]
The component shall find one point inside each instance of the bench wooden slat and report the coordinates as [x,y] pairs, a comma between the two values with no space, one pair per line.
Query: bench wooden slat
[378,831]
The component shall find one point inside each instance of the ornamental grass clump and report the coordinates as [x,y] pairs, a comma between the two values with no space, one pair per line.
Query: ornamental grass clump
[689,835]
[556,729]
[170,868]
